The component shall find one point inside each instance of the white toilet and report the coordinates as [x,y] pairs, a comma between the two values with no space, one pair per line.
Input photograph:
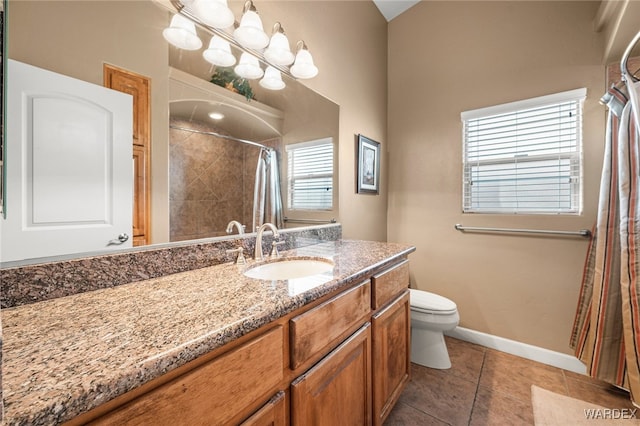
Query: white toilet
[431,315]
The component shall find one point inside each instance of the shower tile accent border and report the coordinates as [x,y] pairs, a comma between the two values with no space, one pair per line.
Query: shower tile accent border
[34,283]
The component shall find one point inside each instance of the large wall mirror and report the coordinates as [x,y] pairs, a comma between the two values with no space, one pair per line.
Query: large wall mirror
[77,38]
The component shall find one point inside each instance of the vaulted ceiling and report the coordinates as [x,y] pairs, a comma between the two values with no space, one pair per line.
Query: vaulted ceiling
[392,8]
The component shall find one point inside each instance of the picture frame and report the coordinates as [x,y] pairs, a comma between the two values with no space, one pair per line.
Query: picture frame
[367,165]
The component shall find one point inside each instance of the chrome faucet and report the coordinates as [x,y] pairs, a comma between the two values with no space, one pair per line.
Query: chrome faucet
[237,225]
[258,254]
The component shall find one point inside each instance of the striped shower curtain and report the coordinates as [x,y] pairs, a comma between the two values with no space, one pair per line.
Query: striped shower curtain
[267,197]
[606,330]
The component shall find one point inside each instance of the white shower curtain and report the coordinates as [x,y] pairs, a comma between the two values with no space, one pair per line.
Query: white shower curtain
[267,198]
[606,330]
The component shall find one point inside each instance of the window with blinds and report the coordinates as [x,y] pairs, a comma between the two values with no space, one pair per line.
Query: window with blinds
[310,177]
[525,156]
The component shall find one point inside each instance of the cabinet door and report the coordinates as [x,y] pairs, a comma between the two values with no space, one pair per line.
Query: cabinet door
[337,390]
[216,393]
[140,199]
[274,413]
[391,355]
[139,87]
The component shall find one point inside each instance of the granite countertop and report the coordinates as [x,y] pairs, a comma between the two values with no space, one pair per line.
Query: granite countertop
[65,356]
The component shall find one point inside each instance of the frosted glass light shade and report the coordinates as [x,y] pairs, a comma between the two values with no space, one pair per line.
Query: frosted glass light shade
[303,67]
[214,12]
[250,33]
[219,52]
[182,33]
[248,67]
[272,79]
[279,52]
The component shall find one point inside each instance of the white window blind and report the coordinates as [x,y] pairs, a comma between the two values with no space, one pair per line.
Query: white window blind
[525,156]
[310,177]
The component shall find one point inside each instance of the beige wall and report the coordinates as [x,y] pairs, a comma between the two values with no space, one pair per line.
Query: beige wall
[448,57]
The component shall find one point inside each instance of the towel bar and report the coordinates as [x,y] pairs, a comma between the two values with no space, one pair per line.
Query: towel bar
[286,219]
[580,233]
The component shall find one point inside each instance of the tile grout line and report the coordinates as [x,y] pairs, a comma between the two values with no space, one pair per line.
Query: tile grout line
[566,382]
[475,396]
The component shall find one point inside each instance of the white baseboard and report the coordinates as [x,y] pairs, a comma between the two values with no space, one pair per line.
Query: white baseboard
[523,350]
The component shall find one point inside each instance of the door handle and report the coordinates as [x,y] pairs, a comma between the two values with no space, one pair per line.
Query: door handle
[121,239]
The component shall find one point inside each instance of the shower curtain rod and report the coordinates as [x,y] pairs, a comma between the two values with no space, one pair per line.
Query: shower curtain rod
[625,57]
[259,145]
[581,233]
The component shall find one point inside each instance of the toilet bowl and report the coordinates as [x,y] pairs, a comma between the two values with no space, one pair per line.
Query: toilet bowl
[431,316]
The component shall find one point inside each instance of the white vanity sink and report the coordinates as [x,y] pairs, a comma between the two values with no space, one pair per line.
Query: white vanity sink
[287,269]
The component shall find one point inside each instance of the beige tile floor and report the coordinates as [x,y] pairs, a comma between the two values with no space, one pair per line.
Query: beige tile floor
[488,387]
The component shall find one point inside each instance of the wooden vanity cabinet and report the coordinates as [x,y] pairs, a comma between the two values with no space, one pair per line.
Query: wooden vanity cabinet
[215,393]
[386,285]
[337,390]
[316,331]
[391,355]
[347,381]
[391,342]
[273,413]
[341,360]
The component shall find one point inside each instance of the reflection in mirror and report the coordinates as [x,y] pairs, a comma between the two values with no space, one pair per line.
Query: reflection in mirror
[278,119]
[3,60]
[213,178]
[83,36]
[216,157]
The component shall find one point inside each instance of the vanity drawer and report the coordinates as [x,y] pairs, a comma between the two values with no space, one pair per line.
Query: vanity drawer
[316,331]
[389,283]
[214,393]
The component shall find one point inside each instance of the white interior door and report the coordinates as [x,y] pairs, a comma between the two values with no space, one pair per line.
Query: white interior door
[69,166]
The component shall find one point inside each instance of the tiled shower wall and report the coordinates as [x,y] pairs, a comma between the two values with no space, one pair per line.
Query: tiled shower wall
[211,181]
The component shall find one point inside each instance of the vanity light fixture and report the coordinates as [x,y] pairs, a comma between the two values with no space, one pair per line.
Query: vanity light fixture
[248,36]
[272,79]
[219,52]
[248,67]
[214,12]
[250,32]
[303,67]
[278,51]
[182,33]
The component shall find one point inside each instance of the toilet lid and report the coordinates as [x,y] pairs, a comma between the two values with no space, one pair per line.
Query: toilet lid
[425,301]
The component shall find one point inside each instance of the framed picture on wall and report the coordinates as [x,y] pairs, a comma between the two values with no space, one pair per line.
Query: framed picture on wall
[368,166]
